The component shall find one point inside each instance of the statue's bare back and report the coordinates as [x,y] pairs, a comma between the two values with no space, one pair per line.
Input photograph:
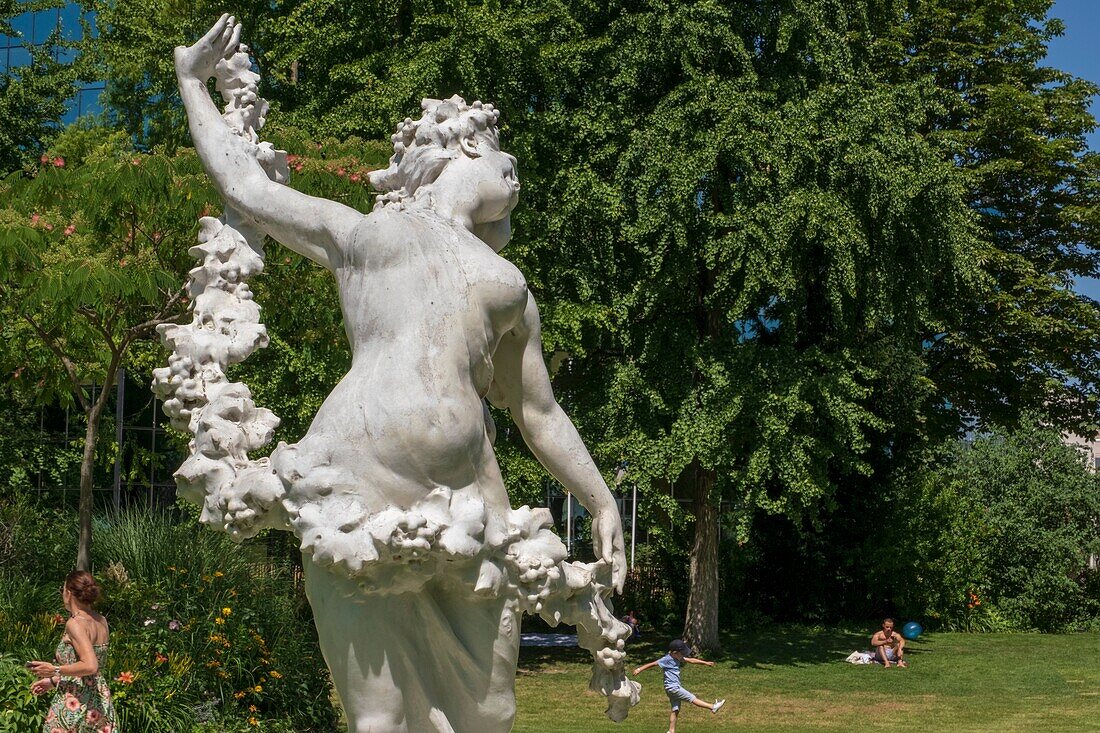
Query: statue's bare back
[425,308]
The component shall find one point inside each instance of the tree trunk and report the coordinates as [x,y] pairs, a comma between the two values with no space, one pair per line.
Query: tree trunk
[701,624]
[87,466]
[87,471]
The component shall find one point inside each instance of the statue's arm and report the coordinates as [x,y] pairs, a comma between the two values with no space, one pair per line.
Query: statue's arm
[313,227]
[522,383]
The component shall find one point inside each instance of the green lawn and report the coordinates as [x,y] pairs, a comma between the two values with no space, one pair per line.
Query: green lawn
[794,679]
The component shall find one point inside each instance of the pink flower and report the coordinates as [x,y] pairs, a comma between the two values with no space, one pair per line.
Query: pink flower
[71,702]
[34,219]
[69,230]
[59,162]
[93,716]
[107,729]
[340,172]
[48,226]
[354,178]
[44,159]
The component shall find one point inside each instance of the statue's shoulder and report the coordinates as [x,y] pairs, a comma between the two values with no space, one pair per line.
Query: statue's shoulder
[377,236]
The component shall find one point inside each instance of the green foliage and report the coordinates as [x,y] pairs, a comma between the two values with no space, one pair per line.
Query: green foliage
[35,543]
[20,711]
[781,251]
[204,625]
[998,535]
[33,97]
[202,630]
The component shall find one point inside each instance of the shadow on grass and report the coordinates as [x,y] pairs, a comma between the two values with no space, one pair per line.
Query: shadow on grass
[773,646]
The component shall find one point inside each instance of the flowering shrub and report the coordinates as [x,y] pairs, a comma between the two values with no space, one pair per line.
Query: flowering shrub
[210,642]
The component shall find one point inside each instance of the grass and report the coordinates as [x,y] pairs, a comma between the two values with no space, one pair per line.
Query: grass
[795,679]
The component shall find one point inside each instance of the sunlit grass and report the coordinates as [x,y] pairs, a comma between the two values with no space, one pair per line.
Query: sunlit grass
[794,679]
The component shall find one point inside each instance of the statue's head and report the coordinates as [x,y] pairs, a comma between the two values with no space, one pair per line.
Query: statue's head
[450,159]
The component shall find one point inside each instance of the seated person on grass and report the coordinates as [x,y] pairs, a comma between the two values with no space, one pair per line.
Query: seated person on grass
[888,646]
[679,654]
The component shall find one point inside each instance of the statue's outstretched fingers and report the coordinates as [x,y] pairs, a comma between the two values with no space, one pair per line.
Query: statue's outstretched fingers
[234,41]
[215,31]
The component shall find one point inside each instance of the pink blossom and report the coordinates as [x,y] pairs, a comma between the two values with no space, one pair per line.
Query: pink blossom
[49,227]
[34,219]
[69,230]
[44,159]
[59,162]
[93,716]
[71,702]
[354,178]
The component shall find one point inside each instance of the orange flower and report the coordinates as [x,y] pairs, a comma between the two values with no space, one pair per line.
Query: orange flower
[126,678]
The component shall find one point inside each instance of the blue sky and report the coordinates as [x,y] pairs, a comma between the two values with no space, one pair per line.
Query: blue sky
[1077,52]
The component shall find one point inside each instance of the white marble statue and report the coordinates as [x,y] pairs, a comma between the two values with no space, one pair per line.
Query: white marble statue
[416,566]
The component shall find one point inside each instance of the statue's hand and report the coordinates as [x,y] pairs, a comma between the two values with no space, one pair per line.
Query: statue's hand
[607,540]
[220,42]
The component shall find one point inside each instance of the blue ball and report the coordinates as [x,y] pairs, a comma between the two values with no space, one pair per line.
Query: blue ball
[911,630]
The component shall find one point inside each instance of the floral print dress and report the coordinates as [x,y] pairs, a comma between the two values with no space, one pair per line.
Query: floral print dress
[81,704]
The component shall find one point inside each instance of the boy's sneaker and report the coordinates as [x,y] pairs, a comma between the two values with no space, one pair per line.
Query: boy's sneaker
[717,706]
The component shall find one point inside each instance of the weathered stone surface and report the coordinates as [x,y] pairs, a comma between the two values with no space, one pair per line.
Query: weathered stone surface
[416,566]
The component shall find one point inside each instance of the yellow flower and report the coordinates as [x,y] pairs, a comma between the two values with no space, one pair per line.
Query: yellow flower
[213,663]
[222,673]
[276,675]
[258,688]
[218,573]
[238,694]
[227,611]
[219,620]
[252,708]
[253,721]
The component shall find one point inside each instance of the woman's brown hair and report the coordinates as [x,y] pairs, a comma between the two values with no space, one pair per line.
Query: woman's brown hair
[83,586]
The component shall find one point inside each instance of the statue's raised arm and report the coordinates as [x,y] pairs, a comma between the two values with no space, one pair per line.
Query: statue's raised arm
[314,227]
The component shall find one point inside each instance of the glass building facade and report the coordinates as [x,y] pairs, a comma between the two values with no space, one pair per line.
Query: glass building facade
[34,29]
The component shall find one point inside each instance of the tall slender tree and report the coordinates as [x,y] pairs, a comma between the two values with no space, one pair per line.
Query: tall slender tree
[94,245]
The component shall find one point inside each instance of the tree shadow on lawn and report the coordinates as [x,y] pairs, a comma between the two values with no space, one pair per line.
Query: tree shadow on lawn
[795,645]
[773,646]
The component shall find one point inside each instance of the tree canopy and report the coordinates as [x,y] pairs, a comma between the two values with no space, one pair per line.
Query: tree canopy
[778,246]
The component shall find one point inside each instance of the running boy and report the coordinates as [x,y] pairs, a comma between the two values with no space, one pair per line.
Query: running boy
[679,654]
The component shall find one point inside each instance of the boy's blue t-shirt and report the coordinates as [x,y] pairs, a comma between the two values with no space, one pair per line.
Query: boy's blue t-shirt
[671,668]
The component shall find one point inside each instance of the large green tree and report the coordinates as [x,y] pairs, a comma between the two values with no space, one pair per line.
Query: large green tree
[778,245]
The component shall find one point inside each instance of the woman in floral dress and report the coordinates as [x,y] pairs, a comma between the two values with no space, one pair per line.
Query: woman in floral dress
[82,700]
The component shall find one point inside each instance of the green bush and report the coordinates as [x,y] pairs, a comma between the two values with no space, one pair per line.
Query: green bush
[997,535]
[202,629]
[36,542]
[20,711]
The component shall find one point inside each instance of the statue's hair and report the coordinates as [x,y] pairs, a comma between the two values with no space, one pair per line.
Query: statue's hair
[447,129]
